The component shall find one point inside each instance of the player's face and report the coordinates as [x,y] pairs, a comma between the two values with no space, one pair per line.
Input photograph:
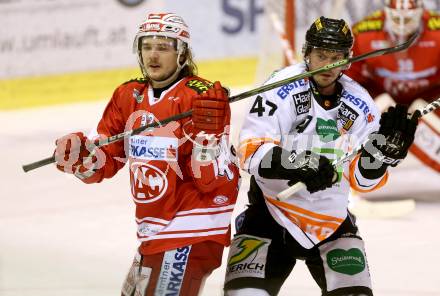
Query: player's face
[319,58]
[159,56]
[404,22]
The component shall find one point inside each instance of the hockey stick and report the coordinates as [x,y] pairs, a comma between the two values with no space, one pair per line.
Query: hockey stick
[239,97]
[283,195]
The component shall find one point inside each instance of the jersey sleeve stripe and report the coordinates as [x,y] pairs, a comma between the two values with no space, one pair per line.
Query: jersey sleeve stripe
[248,147]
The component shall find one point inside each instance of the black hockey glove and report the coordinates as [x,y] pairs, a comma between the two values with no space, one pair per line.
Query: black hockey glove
[312,169]
[396,134]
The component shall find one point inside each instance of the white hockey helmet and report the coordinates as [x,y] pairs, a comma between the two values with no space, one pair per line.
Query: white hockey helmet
[403,17]
[168,25]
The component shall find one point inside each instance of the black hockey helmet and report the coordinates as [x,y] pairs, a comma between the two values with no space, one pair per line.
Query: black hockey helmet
[329,34]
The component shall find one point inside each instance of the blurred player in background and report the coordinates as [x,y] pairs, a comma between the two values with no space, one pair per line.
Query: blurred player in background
[183,178]
[409,77]
[290,135]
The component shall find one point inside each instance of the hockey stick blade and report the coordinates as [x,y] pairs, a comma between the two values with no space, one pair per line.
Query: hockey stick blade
[232,99]
[285,194]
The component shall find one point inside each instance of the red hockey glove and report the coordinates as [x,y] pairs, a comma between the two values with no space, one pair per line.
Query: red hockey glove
[73,157]
[211,110]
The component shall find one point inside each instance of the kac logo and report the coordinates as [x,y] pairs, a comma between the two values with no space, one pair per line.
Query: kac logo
[148,183]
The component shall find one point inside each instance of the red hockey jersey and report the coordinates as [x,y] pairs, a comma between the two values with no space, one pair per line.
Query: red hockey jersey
[406,75]
[179,201]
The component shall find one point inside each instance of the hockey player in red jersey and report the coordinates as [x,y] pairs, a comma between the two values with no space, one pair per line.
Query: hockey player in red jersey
[409,77]
[183,178]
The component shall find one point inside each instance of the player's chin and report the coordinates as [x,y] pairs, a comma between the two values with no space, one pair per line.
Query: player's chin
[325,79]
[156,75]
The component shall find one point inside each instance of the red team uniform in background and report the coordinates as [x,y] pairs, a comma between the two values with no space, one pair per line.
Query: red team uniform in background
[405,75]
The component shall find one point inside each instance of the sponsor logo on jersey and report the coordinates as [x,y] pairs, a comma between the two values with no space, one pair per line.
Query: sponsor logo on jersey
[358,102]
[284,91]
[153,148]
[327,130]
[173,271]
[348,262]
[370,118]
[198,85]
[246,247]
[247,257]
[137,96]
[346,116]
[302,102]
[148,183]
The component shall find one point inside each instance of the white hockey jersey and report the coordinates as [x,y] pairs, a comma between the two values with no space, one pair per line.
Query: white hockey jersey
[289,116]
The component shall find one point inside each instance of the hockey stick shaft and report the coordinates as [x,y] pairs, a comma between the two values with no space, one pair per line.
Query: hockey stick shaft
[112,139]
[238,97]
[283,195]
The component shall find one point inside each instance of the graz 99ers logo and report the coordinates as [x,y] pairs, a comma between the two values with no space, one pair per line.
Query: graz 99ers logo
[148,183]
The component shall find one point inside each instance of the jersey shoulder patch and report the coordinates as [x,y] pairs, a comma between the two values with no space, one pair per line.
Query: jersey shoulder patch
[433,22]
[198,84]
[373,22]
[139,80]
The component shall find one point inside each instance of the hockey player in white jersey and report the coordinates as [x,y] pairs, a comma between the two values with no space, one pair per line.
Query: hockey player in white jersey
[291,134]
